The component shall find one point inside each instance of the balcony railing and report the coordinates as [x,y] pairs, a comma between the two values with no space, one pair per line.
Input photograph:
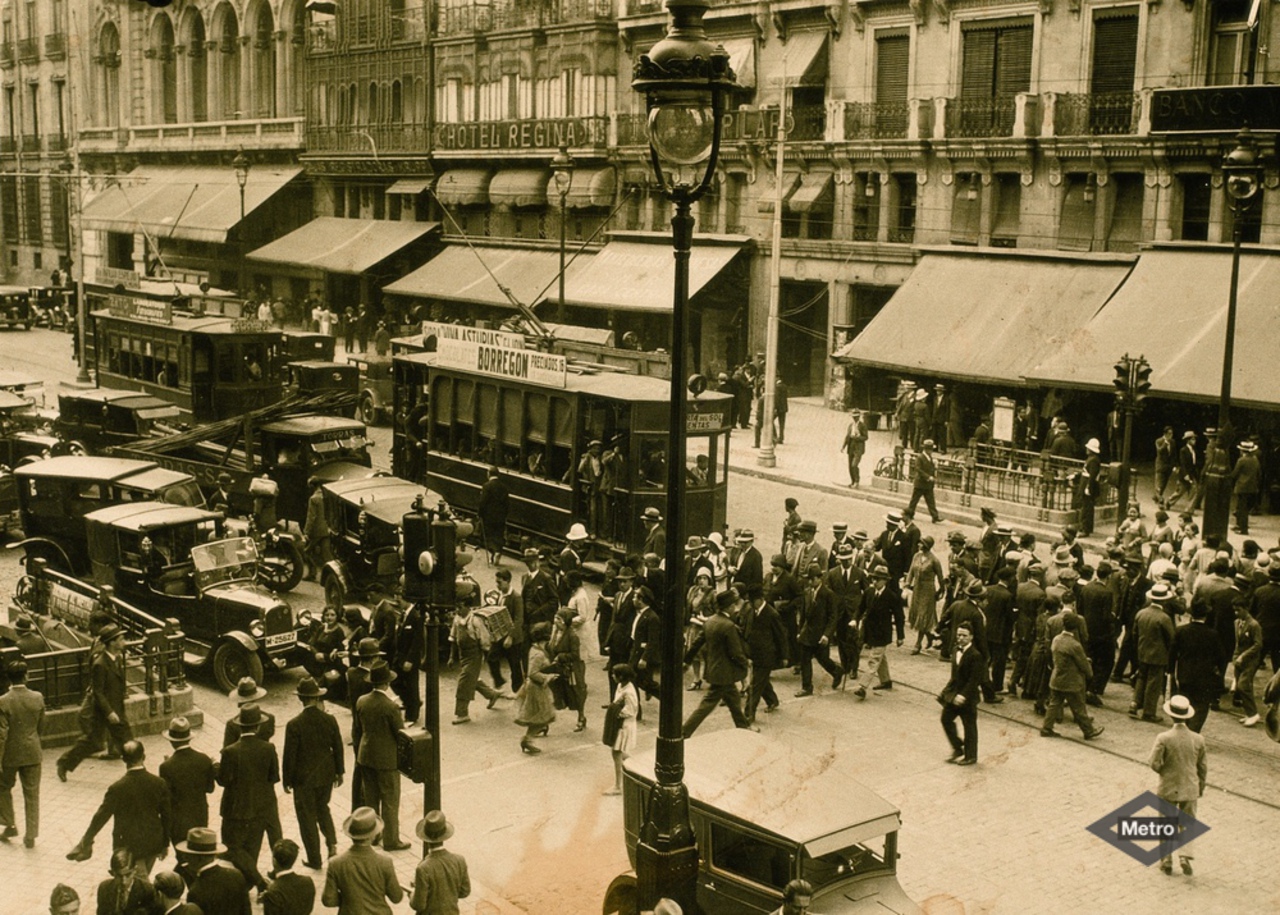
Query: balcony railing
[644,7]
[1103,114]
[28,50]
[981,117]
[585,10]
[8,145]
[875,121]
[390,138]
[808,122]
[54,142]
[274,133]
[6,54]
[55,46]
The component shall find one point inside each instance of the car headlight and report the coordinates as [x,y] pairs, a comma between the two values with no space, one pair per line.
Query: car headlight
[257,630]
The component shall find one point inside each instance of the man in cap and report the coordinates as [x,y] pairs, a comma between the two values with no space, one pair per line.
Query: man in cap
[30,640]
[21,720]
[215,886]
[855,446]
[1246,482]
[959,698]
[748,570]
[190,775]
[362,880]
[725,665]
[924,474]
[105,702]
[312,767]
[1180,758]
[248,773]
[441,877]
[877,631]
[1071,674]
[139,806]
[289,893]
[374,726]
[817,631]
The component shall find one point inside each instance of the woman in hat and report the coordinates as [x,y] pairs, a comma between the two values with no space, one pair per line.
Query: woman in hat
[924,578]
[566,649]
[699,604]
[535,707]
[627,733]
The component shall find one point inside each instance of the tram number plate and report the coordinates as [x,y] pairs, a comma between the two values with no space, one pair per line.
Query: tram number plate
[283,638]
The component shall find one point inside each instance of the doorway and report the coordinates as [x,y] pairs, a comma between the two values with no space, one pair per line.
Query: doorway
[802,337]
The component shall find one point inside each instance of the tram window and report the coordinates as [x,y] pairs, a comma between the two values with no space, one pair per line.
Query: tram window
[512,412]
[464,416]
[487,415]
[441,402]
[255,358]
[200,366]
[560,447]
[226,361]
[699,466]
[653,462]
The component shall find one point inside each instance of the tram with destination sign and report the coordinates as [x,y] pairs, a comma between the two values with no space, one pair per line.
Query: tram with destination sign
[210,365]
[474,403]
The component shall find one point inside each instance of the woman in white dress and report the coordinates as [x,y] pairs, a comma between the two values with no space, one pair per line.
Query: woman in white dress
[625,742]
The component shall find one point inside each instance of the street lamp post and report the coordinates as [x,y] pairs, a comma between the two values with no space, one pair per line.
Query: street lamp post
[241,165]
[562,174]
[684,79]
[1240,172]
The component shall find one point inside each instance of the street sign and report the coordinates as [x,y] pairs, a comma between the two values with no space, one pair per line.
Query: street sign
[540,368]
[1215,108]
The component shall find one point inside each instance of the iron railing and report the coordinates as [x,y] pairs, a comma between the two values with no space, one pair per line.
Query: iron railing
[6,54]
[28,50]
[1077,114]
[981,117]
[875,121]
[808,122]
[55,46]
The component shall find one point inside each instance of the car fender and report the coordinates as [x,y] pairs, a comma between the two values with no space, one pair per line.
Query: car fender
[246,641]
[620,898]
[338,569]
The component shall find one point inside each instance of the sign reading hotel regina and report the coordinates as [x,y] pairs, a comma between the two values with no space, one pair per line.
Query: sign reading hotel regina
[541,133]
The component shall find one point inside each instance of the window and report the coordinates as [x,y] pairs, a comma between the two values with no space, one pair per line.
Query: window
[1004,232]
[903,210]
[569,80]
[9,207]
[966,209]
[1075,226]
[749,857]
[58,213]
[1126,213]
[1230,44]
[32,20]
[893,56]
[1196,194]
[995,67]
[60,107]
[33,105]
[734,193]
[866,206]
[1115,53]
[31,209]
[709,209]
[10,113]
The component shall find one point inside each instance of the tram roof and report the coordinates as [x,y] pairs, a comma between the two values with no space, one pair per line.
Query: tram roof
[384,498]
[148,516]
[203,324]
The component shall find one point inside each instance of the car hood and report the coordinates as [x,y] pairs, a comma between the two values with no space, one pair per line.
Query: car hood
[342,470]
[243,595]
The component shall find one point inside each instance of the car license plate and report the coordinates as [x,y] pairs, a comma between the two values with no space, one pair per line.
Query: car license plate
[283,638]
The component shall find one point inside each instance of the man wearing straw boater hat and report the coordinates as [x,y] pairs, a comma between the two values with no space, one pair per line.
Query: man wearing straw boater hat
[215,887]
[361,880]
[191,778]
[1178,755]
[312,768]
[441,878]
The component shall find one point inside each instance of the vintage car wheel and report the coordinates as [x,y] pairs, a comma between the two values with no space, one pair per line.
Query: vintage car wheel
[335,594]
[368,412]
[283,566]
[232,662]
[621,896]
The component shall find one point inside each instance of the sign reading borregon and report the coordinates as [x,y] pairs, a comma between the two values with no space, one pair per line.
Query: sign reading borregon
[1225,108]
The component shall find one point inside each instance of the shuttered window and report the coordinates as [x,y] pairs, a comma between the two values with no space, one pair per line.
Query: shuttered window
[995,66]
[1004,232]
[1115,51]
[1126,213]
[893,56]
[1075,226]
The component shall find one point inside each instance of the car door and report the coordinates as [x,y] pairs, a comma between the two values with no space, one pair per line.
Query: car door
[743,871]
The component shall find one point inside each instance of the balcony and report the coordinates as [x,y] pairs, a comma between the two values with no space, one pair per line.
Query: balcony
[6,54]
[277,133]
[54,142]
[390,139]
[30,143]
[981,117]
[55,46]
[28,50]
[8,145]
[585,10]
[875,121]
[652,7]
[633,129]
[1104,114]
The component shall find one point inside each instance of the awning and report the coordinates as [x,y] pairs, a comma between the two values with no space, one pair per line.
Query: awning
[812,186]
[458,274]
[413,186]
[768,192]
[640,276]
[1173,310]
[804,60]
[342,245]
[519,187]
[193,203]
[589,187]
[985,317]
[464,187]
[742,57]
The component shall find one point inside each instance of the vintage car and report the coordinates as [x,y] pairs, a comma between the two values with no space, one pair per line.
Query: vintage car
[204,581]
[15,307]
[55,494]
[98,418]
[24,384]
[303,345]
[364,518]
[314,376]
[376,388]
[765,813]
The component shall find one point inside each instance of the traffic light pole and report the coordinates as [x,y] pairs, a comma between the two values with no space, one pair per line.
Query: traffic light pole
[1132,383]
[431,705]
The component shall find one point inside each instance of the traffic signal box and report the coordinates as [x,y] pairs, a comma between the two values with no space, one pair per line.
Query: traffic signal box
[434,554]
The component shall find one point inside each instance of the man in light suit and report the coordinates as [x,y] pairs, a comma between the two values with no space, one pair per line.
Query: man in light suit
[249,772]
[1179,757]
[374,726]
[21,719]
[313,767]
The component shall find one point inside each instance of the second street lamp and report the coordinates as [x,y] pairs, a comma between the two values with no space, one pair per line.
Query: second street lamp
[562,175]
[241,166]
[1242,178]
[684,79]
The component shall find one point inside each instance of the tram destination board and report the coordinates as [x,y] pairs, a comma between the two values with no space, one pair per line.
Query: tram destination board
[1215,108]
[546,369]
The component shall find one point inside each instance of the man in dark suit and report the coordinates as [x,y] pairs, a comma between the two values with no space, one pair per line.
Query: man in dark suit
[999,613]
[126,892]
[960,697]
[877,631]
[766,642]
[646,644]
[749,571]
[1198,659]
[923,478]
[786,594]
[374,726]
[215,886]
[1246,479]
[651,576]
[170,888]
[104,714]
[21,719]
[618,639]
[541,597]
[817,629]
[190,775]
[407,651]
[849,585]
[725,665]
[249,771]
[140,807]
[289,893]
[1097,604]
[247,691]
[312,768]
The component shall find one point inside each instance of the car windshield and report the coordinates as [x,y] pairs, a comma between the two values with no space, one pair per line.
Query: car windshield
[351,448]
[187,493]
[234,559]
[855,860]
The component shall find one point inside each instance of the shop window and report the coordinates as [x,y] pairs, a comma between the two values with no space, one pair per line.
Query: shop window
[1004,232]
[1079,202]
[1126,213]
[966,209]
[903,210]
[1196,194]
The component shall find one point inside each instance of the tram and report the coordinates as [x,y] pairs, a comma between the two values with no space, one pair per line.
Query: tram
[460,411]
[211,366]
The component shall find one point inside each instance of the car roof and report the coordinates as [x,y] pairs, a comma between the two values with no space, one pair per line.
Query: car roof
[800,793]
[107,395]
[384,498]
[146,516]
[89,467]
[154,479]
[311,425]
[318,364]
[11,378]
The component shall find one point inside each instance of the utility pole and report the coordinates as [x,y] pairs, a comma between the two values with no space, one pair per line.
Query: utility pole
[766,456]
[1132,386]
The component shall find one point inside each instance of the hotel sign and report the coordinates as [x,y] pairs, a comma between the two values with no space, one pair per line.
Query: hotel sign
[1225,108]
[536,367]
[537,133]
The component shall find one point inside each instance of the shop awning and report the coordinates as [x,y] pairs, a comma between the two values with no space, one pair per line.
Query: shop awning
[192,203]
[640,276]
[464,187]
[812,187]
[742,57]
[342,245]
[804,61]
[985,317]
[589,187]
[409,186]
[519,187]
[1173,310]
[768,189]
[457,274]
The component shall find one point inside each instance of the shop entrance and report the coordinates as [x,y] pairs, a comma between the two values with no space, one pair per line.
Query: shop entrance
[802,337]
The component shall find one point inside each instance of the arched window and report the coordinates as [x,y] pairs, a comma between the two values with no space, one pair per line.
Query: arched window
[342,106]
[197,64]
[227,28]
[397,102]
[295,61]
[108,69]
[263,72]
[164,71]
[372,114]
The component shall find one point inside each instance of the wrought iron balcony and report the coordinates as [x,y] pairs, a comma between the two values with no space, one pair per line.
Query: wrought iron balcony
[875,121]
[633,130]
[28,50]
[6,54]
[8,145]
[808,122]
[1104,114]
[981,117]
[55,46]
